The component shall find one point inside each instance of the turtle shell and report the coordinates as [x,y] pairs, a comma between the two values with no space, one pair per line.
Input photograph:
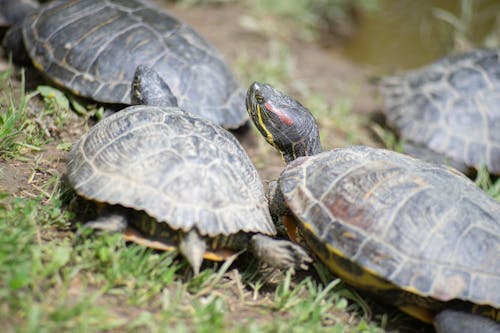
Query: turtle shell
[423,228]
[178,168]
[93,48]
[450,107]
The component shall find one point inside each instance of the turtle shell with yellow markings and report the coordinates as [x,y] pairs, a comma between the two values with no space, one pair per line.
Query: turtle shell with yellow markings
[417,234]
[93,48]
[420,236]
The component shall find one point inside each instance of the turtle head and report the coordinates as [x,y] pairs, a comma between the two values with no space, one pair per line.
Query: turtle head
[148,88]
[284,122]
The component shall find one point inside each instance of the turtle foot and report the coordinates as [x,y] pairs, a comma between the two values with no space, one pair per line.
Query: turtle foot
[450,321]
[278,253]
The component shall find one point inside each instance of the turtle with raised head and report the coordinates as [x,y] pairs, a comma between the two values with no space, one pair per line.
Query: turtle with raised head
[92,48]
[169,179]
[418,235]
[449,111]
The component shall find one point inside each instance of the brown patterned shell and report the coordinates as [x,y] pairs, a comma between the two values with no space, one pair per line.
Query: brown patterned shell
[450,107]
[178,168]
[422,227]
[93,48]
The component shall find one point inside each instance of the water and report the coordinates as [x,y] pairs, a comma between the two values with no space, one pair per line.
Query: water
[405,34]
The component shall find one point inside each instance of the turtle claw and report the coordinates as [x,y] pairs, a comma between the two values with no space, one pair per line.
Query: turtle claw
[278,253]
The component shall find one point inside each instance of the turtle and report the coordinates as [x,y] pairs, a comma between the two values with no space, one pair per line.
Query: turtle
[448,111]
[12,11]
[169,179]
[419,235]
[92,48]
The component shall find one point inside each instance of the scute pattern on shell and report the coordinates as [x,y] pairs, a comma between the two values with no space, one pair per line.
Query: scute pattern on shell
[451,106]
[418,225]
[93,48]
[178,168]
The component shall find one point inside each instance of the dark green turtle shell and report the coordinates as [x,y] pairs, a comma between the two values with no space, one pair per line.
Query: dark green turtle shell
[93,48]
[178,168]
[423,228]
[450,107]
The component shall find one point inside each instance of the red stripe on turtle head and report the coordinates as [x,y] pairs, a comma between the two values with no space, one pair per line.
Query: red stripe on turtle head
[283,117]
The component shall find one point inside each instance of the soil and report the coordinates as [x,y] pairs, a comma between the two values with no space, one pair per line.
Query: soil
[322,70]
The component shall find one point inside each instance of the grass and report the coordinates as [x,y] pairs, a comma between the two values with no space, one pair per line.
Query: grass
[94,284]
[32,273]
[14,121]
[488,184]
[23,127]
[336,121]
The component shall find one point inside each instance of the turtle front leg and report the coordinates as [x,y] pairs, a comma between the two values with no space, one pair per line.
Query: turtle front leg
[279,253]
[193,247]
[450,321]
[277,204]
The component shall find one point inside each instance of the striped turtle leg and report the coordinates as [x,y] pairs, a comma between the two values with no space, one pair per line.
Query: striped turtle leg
[450,321]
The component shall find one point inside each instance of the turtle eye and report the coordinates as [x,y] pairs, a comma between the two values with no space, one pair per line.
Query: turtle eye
[259,99]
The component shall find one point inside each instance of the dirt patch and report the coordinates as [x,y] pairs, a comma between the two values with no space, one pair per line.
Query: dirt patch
[27,174]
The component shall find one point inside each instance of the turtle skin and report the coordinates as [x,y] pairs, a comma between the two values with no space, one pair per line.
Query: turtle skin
[449,111]
[420,235]
[93,47]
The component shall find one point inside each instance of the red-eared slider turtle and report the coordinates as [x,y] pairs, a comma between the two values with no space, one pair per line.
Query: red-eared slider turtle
[93,47]
[174,180]
[450,110]
[419,235]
